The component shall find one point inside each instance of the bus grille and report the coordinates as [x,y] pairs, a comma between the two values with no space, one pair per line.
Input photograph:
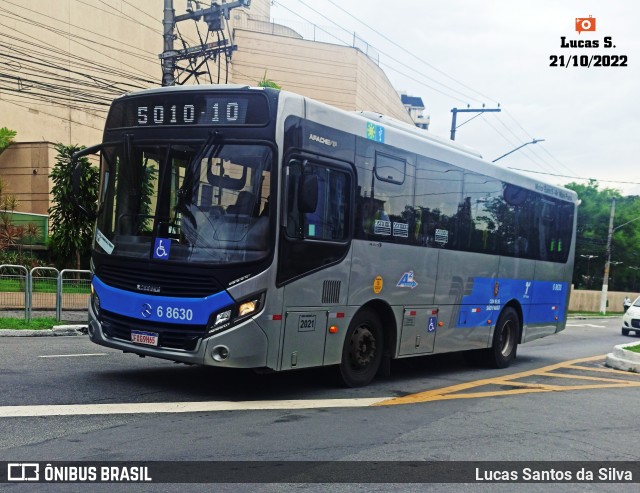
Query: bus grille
[183,284]
[184,337]
[331,292]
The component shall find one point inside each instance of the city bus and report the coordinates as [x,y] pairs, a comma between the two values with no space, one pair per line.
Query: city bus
[246,227]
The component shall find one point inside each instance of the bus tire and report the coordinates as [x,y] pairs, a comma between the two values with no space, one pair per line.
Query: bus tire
[505,340]
[362,350]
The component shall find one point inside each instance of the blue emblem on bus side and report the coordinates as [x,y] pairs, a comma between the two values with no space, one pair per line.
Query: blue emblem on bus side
[406,281]
[162,248]
[432,324]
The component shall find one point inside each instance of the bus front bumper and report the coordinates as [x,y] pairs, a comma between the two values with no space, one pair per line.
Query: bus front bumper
[243,346]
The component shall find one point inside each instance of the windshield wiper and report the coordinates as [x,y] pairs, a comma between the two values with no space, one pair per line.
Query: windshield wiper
[185,193]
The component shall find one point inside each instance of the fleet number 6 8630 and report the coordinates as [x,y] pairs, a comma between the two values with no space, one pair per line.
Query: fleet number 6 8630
[174,313]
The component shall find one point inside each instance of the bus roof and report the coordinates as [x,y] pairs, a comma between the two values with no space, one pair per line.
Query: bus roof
[444,149]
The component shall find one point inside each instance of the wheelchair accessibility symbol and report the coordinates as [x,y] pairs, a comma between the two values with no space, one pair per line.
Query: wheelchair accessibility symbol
[162,248]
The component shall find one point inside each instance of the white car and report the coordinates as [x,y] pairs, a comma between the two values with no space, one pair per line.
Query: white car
[631,318]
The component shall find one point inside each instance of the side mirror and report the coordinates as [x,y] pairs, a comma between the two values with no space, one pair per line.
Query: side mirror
[308,193]
[76,179]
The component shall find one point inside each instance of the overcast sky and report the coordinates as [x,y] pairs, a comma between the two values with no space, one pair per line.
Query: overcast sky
[472,52]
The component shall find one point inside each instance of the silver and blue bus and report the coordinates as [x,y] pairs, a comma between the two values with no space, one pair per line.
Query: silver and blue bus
[254,228]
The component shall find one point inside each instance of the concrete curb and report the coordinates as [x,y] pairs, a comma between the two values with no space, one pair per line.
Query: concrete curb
[621,359]
[58,330]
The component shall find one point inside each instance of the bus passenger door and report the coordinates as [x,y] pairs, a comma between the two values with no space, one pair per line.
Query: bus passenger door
[304,337]
[418,331]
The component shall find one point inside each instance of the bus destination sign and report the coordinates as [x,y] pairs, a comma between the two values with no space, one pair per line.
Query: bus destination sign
[191,108]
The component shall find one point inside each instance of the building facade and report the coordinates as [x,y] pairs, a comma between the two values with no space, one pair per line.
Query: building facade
[63,62]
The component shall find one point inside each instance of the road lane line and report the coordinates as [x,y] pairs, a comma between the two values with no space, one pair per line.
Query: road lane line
[71,355]
[445,393]
[180,407]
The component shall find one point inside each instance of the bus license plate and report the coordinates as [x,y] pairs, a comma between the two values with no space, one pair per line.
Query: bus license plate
[148,338]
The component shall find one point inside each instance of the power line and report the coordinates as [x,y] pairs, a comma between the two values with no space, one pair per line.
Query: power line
[388,67]
[576,177]
[394,60]
[413,55]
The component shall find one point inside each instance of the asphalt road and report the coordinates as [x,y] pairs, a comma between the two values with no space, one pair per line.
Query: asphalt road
[546,407]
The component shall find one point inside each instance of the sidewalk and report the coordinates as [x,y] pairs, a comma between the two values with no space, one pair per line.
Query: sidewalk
[73,323]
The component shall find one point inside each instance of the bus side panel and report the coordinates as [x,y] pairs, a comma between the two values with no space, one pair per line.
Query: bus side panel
[467,322]
[408,273]
[549,300]
[401,276]
[515,279]
[311,306]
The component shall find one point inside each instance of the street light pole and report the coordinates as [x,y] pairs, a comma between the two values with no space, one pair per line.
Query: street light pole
[534,141]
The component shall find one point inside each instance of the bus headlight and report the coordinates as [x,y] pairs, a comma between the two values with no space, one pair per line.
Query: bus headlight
[248,307]
[222,318]
[230,316]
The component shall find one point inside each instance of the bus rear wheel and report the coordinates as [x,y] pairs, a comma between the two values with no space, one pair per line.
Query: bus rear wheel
[362,350]
[505,340]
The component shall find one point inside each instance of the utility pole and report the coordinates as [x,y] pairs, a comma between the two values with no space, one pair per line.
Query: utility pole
[197,56]
[605,279]
[168,54]
[455,112]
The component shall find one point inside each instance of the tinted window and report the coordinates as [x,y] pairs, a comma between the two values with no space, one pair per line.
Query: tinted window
[482,214]
[390,169]
[385,206]
[438,198]
[329,220]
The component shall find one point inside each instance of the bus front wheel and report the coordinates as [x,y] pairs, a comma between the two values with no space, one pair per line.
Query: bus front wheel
[362,350]
[505,340]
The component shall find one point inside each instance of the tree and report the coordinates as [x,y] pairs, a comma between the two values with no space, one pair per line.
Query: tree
[10,234]
[71,228]
[6,138]
[264,82]
[591,238]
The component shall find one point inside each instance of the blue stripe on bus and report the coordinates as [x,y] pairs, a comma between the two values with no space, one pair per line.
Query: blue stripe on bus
[541,301]
[165,309]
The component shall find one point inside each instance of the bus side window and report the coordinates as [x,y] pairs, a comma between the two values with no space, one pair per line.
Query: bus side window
[330,219]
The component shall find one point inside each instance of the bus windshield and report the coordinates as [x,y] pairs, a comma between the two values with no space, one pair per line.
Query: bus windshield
[203,202]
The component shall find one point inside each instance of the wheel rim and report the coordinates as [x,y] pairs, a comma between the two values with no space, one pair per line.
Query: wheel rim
[362,347]
[507,337]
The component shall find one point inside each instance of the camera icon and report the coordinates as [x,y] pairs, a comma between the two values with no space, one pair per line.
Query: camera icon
[585,24]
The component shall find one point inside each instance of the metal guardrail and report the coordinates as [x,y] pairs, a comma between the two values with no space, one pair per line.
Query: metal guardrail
[43,290]
[43,283]
[16,283]
[74,288]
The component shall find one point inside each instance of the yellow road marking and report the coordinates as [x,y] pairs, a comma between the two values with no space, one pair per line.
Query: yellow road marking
[584,377]
[531,385]
[593,368]
[456,391]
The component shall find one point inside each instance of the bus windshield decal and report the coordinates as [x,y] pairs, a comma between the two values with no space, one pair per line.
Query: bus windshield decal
[104,242]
